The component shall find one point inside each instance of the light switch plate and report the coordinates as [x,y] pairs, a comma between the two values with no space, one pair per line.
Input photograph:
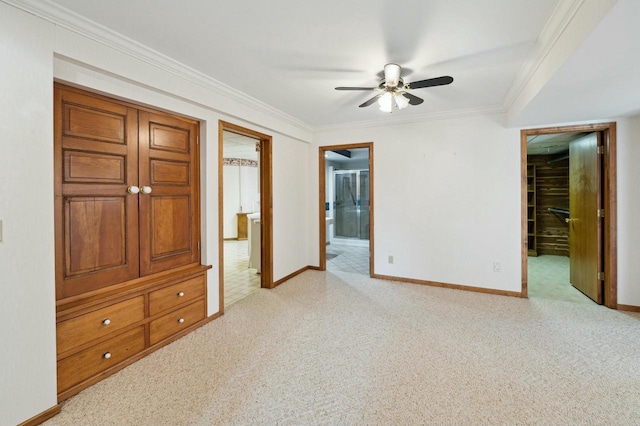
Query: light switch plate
[0,231]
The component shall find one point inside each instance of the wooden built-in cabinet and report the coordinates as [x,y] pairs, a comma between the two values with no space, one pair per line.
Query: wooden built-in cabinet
[128,273]
[243,227]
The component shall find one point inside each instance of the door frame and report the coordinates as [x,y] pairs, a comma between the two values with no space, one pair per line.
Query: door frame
[266,205]
[322,223]
[609,202]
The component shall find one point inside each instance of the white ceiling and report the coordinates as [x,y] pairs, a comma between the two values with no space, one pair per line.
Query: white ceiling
[601,80]
[291,54]
[238,146]
[551,144]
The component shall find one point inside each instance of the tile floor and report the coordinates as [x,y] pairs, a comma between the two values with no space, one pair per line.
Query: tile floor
[549,279]
[239,279]
[348,258]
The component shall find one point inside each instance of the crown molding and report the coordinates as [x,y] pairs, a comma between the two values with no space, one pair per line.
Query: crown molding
[553,29]
[74,22]
[415,118]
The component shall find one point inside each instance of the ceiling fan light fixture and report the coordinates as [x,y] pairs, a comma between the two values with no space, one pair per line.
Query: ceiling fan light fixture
[386,102]
[392,75]
[401,101]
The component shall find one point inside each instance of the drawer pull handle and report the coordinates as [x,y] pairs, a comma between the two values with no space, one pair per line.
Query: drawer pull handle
[106,355]
[106,321]
[180,294]
[180,320]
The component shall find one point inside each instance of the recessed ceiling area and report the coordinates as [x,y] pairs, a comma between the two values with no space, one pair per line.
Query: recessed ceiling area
[239,146]
[551,144]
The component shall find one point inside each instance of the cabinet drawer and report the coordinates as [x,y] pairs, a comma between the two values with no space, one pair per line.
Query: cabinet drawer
[89,362]
[168,297]
[172,323]
[78,331]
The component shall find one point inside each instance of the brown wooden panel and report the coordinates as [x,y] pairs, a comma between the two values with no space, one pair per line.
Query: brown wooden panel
[552,190]
[89,123]
[91,361]
[170,324]
[169,172]
[95,234]
[171,227]
[96,220]
[169,297]
[584,237]
[166,138]
[88,167]
[170,215]
[93,325]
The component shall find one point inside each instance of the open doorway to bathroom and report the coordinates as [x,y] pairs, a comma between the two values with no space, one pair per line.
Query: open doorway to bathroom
[346,208]
[244,212]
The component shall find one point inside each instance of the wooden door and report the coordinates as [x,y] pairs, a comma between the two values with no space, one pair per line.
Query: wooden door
[96,219]
[585,229]
[169,214]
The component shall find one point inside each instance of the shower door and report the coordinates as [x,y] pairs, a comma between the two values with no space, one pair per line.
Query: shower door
[352,204]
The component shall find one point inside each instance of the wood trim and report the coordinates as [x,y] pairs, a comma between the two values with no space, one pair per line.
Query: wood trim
[449,286]
[610,202]
[266,203]
[628,308]
[42,417]
[291,275]
[322,213]
[524,251]
[322,197]
[220,218]
[611,218]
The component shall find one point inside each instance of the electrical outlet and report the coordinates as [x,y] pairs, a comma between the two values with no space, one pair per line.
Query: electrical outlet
[497,267]
[391,259]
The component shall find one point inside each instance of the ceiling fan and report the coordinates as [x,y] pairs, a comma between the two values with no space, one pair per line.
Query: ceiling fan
[393,90]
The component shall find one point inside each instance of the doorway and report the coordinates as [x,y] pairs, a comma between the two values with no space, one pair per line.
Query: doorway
[346,208]
[245,213]
[569,212]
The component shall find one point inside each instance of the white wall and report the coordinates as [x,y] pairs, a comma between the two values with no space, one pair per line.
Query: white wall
[33,52]
[291,208]
[240,195]
[447,199]
[628,138]
[27,310]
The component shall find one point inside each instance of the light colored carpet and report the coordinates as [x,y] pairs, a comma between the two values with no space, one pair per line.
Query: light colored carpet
[339,348]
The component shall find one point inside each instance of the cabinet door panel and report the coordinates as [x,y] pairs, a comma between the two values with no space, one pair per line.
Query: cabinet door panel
[169,215]
[96,219]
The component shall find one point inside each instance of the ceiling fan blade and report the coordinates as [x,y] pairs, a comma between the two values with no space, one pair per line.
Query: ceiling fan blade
[430,82]
[356,88]
[413,99]
[370,101]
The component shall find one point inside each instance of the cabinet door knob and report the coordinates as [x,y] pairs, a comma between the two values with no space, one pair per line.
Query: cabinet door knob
[569,220]
[146,189]
[180,294]
[133,189]
[180,320]
[106,321]
[106,355]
